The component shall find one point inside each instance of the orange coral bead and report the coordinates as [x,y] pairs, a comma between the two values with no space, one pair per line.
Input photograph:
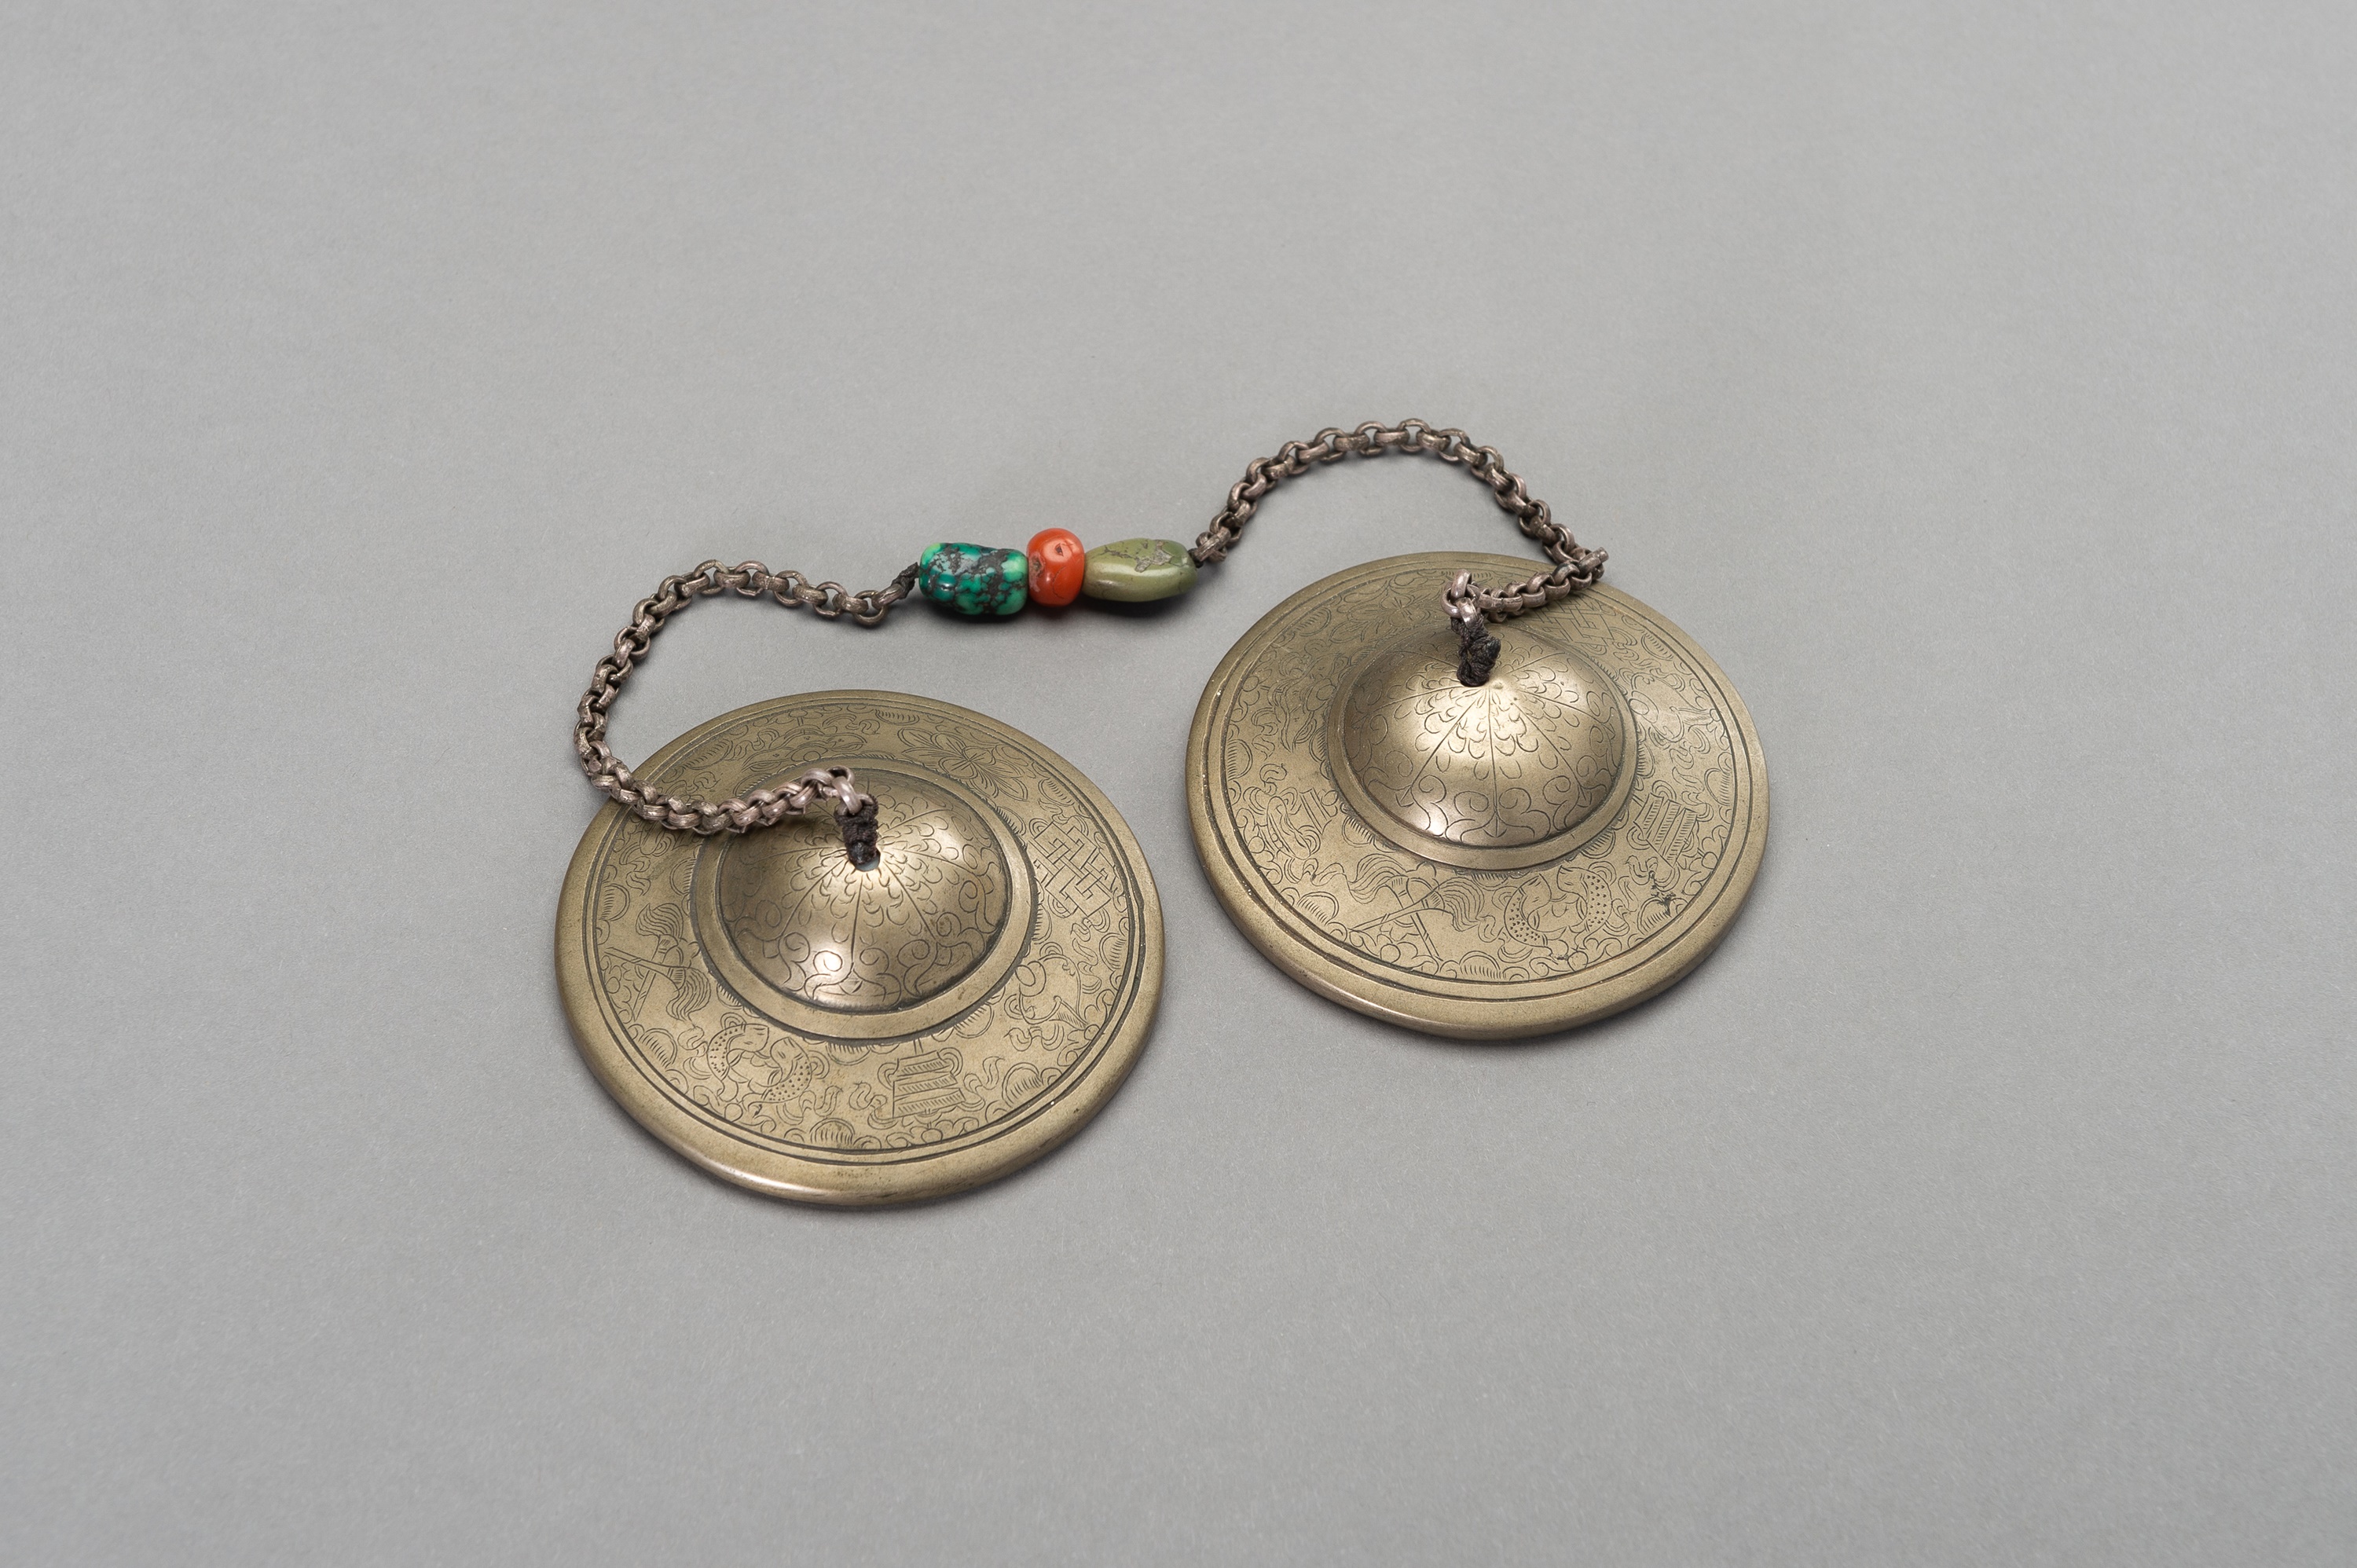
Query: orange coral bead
[1058,565]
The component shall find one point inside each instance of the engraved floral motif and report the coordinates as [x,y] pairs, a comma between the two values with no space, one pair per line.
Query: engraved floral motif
[1310,849]
[817,928]
[1026,1040]
[1518,759]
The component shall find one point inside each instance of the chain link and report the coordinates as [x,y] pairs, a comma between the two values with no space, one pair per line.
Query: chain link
[854,808]
[1575,567]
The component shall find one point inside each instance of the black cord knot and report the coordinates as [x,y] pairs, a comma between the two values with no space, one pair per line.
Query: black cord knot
[859,836]
[1477,649]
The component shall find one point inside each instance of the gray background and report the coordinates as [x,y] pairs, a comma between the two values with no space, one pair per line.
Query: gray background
[1976,383]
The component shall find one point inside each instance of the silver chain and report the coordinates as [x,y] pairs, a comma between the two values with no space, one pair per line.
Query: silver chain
[1467,604]
[1575,567]
[762,808]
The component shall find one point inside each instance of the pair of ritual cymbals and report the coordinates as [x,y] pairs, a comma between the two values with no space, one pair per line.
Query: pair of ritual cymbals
[1511,859]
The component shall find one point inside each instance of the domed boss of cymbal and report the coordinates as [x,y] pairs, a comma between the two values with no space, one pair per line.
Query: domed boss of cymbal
[790,924]
[1521,769]
[842,1035]
[1485,862]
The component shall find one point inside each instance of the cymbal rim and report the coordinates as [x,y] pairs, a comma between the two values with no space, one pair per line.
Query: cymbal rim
[1270,912]
[1094,894]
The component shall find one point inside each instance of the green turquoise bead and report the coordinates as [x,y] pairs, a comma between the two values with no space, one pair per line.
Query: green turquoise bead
[1138,569]
[971,580]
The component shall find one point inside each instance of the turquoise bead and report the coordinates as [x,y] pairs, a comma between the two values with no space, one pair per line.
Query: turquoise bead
[971,580]
[1137,569]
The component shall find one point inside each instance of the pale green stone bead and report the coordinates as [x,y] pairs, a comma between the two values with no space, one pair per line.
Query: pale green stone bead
[1138,569]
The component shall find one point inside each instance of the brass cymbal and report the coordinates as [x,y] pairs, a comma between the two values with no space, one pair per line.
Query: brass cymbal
[1483,862]
[841,1036]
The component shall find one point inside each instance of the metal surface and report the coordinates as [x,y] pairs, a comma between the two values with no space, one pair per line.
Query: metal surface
[848,1036]
[1518,770]
[1483,862]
